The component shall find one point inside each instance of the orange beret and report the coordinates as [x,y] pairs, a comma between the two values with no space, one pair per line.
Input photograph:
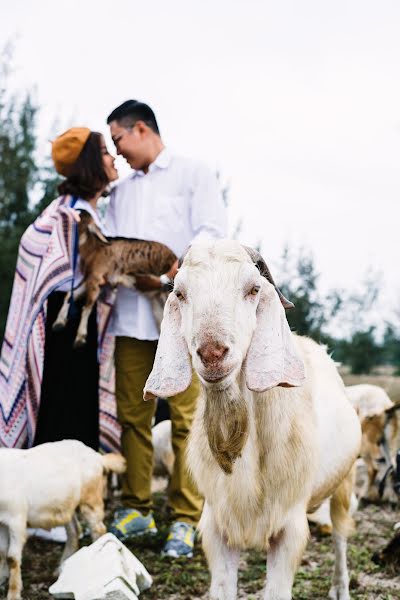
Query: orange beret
[67,147]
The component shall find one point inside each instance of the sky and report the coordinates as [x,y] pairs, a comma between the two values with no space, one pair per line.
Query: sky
[295,103]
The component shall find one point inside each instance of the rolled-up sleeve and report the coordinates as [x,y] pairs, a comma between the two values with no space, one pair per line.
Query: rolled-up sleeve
[208,213]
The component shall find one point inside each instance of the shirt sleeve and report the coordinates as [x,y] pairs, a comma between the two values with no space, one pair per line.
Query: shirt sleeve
[208,213]
[109,219]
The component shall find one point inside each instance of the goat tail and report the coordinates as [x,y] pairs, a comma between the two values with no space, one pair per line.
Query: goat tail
[113,462]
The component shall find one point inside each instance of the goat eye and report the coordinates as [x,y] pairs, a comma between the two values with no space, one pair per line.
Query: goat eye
[179,295]
[254,290]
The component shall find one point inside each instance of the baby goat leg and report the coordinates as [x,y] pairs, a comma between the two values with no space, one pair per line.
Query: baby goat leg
[284,555]
[72,543]
[92,293]
[62,316]
[14,556]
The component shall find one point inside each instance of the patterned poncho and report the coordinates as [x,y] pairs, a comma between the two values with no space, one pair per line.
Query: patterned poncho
[44,263]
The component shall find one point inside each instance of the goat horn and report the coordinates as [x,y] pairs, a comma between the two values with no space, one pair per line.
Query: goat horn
[96,231]
[265,272]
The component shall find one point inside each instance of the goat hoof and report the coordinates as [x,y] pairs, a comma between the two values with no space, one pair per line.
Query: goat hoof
[339,592]
[58,325]
[79,342]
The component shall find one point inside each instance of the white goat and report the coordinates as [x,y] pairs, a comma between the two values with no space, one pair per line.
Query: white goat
[261,452]
[42,487]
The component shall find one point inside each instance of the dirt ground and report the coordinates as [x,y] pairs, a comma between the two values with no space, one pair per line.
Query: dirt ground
[189,579]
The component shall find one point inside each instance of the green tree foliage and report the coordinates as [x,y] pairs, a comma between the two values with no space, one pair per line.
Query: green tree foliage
[391,346]
[361,352]
[298,280]
[19,174]
[317,315]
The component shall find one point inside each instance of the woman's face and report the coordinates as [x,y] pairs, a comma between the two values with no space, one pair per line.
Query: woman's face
[108,162]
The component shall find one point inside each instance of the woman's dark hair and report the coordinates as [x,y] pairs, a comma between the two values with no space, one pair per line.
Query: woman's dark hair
[87,176]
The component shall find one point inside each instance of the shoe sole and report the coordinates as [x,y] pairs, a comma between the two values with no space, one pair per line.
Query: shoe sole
[137,534]
[174,554]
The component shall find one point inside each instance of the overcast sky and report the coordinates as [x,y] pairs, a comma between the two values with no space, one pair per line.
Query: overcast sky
[297,103]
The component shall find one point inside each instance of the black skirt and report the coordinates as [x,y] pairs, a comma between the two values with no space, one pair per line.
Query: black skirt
[69,403]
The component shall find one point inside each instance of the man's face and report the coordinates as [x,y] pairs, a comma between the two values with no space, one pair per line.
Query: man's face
[130,143]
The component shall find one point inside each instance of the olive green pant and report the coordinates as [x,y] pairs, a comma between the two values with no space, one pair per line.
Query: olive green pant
[133,363]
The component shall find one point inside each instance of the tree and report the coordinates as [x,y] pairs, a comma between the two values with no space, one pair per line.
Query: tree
[19,174]
[362,352]
[391,346]
[299,282]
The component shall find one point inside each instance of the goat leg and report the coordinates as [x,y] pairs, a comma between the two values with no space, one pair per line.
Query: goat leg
[62,316]
[3,553]
[92,293]
[17,532]
[284,555]
[223,561]
[72,543]
[341,514]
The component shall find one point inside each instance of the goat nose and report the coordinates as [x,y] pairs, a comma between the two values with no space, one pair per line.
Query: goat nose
[211,352]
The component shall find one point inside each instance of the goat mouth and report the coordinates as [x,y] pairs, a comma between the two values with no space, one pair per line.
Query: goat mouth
[216,377]
[210,379]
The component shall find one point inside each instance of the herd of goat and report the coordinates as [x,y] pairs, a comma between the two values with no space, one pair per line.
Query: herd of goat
[276,434]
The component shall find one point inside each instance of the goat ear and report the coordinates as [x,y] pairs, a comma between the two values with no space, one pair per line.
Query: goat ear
[172,371]
[272,359]
[96,232]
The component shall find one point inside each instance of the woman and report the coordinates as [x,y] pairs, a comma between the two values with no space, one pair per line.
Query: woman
[48,390]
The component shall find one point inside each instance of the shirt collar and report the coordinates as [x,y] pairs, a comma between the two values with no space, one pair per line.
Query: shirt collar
[161,162]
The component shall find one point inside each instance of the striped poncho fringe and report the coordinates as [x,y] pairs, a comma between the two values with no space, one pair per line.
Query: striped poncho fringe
[44,263]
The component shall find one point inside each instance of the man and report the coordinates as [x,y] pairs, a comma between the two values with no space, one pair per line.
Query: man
[175,201]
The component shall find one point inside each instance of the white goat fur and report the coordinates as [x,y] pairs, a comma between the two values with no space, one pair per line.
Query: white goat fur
[370,403]
[301,442]
[42,487]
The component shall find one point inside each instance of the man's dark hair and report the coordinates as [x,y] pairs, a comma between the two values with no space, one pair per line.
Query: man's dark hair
[131,111]
[86,177]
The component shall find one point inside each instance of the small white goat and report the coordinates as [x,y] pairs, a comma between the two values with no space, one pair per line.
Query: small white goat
[163,454]
[43,487]
[261,451]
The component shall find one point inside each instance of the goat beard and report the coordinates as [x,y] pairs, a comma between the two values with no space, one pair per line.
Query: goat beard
[227,424]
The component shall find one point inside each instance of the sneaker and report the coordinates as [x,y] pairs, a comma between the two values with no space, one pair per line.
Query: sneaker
[180,540]
[129,522]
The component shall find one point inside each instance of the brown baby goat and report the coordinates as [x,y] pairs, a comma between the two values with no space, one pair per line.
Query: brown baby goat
[110,261]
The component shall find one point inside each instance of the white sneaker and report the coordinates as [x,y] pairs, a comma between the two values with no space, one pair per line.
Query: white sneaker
[56,534]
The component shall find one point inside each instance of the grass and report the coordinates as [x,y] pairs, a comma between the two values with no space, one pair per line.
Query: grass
[189,579]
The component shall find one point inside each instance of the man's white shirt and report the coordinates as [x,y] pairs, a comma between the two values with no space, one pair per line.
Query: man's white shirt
[177,202]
